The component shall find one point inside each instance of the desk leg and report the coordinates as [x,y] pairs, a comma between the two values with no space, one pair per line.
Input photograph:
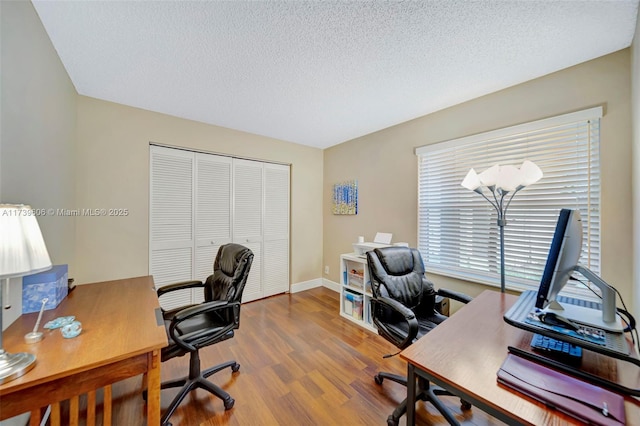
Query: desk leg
[153,389]
[35,418]
[411,395]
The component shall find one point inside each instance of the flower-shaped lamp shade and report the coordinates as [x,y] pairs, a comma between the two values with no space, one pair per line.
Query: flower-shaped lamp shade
[509,178]
[530,173]
[471,181]
[490,176]
[22,248]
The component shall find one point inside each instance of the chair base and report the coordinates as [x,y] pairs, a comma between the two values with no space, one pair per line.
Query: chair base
[195,380]
[424,392]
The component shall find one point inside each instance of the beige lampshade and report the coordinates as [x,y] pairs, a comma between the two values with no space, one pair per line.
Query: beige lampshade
[22,248]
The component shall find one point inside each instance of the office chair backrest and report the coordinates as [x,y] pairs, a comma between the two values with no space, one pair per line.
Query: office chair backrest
[398,273]
[230,272]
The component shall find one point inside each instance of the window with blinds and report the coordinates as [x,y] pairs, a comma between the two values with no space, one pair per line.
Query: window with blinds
[457,231]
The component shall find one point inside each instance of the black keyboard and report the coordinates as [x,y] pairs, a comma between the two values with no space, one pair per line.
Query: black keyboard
[557,348]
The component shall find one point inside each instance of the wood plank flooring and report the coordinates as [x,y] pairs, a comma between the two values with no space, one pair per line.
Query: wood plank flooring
[301,364]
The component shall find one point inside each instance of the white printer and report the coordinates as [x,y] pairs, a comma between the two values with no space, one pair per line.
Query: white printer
[382,239]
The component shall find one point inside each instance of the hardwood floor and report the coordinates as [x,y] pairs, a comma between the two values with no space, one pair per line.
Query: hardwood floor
[301,364]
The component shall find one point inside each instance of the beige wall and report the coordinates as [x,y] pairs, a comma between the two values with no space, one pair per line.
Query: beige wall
[635,110]
[386,168]
[38,121]
[38,126]
[113,172]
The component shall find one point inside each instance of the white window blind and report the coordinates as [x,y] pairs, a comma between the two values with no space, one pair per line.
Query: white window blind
[457,231]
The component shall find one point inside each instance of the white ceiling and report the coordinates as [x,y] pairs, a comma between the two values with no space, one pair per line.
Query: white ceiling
[320,73]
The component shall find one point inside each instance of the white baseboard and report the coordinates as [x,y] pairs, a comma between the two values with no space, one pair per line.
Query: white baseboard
[318,282]
[306,285]
[331,285]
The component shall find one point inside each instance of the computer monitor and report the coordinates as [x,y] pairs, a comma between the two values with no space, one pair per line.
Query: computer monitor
[562,262]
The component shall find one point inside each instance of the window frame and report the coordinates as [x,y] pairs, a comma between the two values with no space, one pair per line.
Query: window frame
[495,148]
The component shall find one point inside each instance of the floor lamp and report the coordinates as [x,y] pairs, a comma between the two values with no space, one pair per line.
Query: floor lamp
[22,252]
[500,181]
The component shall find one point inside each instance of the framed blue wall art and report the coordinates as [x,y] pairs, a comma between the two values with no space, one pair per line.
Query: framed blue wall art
[345,197]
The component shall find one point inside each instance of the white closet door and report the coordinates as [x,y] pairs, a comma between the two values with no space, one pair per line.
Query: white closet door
[171,221]
[247,200]
[199,202]
[213,213]
[253,287]
[276,229]
[247,219]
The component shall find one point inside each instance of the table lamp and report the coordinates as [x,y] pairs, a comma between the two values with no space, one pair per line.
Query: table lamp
[500,181]
[22,252]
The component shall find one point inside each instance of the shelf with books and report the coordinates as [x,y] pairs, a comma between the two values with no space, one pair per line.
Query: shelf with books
[355,290]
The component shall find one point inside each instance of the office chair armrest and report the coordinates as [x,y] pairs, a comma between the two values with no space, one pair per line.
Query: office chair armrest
[179,286]
[202,308]
[460,297]
[201,337]
[408,315]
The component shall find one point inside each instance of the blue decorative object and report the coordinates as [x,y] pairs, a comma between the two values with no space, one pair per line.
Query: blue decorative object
[72,330]
[51,284]
[59,322]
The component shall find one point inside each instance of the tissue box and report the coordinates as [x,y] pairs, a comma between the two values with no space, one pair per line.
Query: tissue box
[51,284]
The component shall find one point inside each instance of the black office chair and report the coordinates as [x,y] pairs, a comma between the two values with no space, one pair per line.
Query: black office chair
[194,327]
[403,309]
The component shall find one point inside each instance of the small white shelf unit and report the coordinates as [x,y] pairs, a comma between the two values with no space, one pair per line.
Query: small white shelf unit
[355,290]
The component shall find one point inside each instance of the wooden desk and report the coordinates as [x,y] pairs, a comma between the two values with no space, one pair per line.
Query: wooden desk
[121,338]
[464,354]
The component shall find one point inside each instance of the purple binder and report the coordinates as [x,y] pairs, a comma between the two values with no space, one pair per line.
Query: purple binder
[581,400]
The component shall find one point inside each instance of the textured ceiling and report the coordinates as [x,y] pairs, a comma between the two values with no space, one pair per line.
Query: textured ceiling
[321,73]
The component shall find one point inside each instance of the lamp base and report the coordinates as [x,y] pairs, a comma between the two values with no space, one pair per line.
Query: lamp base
[33,337]
[15,365]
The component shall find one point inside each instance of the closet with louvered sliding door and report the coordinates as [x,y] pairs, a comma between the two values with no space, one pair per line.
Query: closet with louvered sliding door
[199,201]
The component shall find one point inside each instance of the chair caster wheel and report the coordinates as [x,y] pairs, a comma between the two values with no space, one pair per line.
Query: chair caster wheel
[228,404]
[464,405]
[379,379]
[392,421]
[235,367]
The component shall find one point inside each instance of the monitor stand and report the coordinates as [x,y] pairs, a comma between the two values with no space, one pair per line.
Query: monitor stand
[585,316]
[605,319]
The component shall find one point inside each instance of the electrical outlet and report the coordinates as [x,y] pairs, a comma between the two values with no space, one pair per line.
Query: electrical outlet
[326,269]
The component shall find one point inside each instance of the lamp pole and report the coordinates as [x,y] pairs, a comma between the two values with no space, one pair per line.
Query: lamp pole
[501,224]
[501,209]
